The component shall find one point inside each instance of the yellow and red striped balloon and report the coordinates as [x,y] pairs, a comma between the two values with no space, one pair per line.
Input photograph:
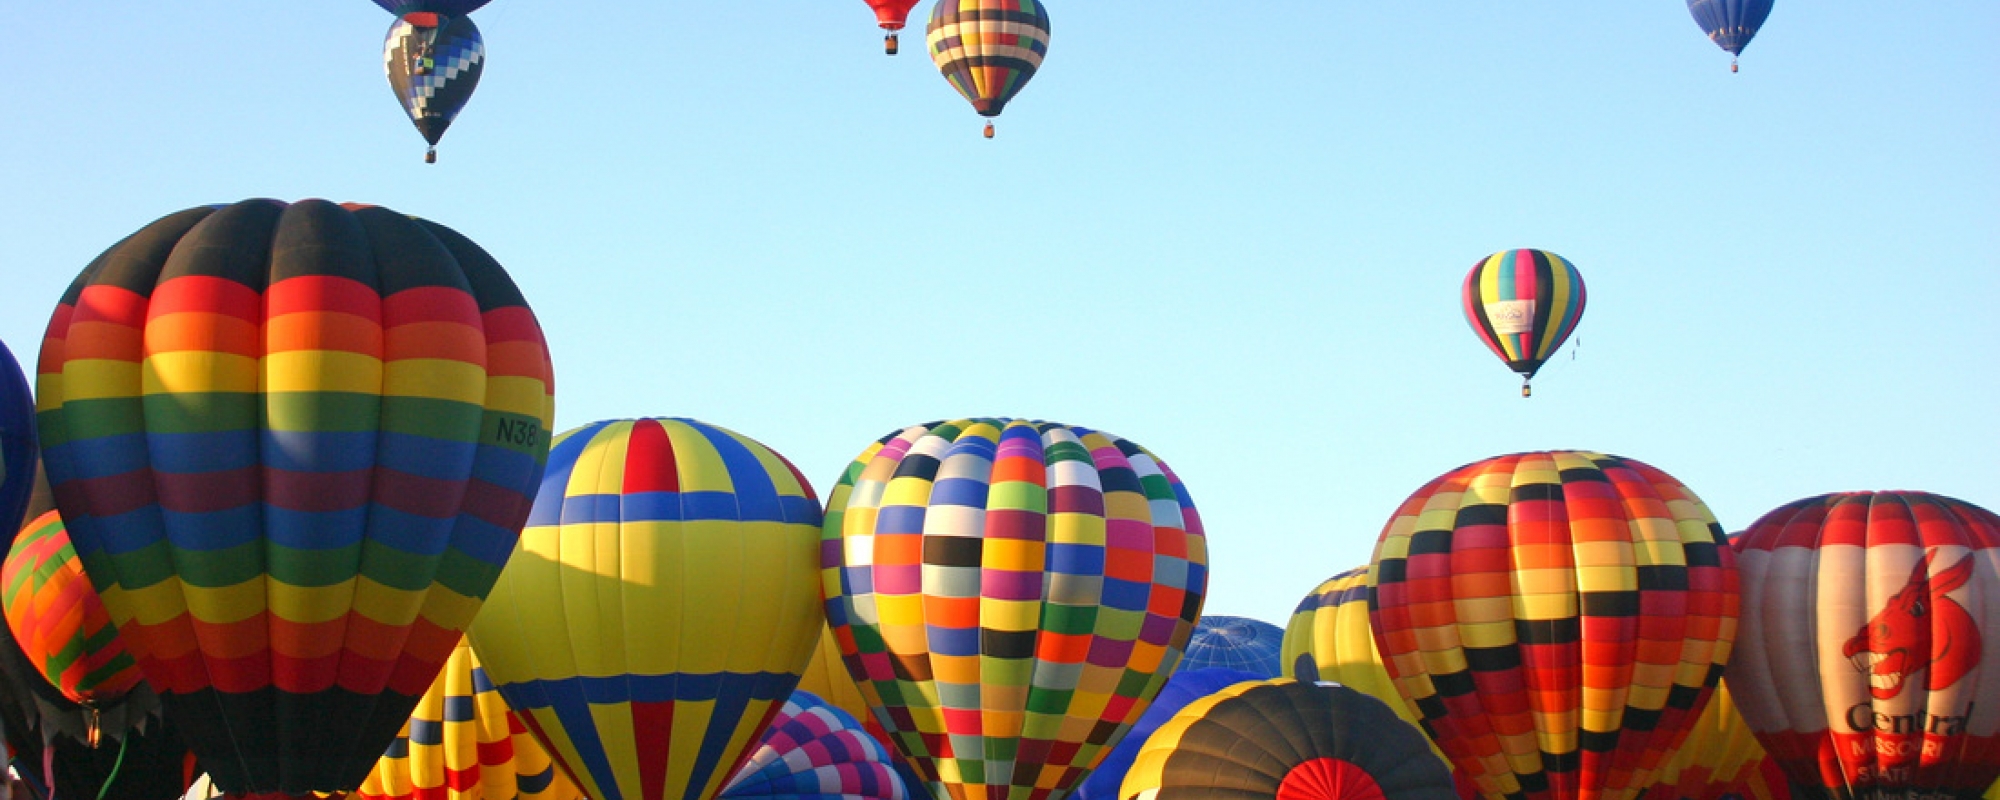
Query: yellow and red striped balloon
[464,743]
[1558,620]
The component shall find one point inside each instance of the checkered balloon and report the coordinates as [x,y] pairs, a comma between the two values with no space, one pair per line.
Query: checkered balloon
[433,62]
[1009,596]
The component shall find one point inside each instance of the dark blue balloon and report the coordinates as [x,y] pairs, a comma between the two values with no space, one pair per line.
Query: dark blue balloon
[1185,687]
[1730,23]
[17,442]
[451,8]
[1221,642]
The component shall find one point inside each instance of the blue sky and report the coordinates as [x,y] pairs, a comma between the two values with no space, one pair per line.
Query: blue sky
[1231,233]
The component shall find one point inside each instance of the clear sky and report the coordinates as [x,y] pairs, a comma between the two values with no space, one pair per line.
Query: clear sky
[1231,232]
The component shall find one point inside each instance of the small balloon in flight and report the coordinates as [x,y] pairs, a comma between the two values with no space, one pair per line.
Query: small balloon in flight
[1730,24]
[892,15]
[433,62]
[1523,304]
[988,49]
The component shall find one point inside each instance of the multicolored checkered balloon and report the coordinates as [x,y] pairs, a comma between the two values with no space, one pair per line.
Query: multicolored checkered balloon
[55,615]
[988,49]
[293,445]
[433,62]
[1010,595]
[1558,620]
[815,751]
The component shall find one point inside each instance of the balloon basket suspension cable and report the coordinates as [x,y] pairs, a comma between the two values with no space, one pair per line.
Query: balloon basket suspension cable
[989,130]
[889,44]
[112,776]
[431,156]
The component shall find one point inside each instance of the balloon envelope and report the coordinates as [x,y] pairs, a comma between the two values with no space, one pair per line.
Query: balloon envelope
[293,444]
[988,49]
[1557,619]
[826,678]
[1720,760]
[455,8]
[17,441]
[815,751]
[55,615]
[1863,669]
[1730,23]
[1013,594]
[1523,304]
[659,608]
[464,743]
[892,14]
[433,63]
[1285,739]
[1186,686]
[1237,643]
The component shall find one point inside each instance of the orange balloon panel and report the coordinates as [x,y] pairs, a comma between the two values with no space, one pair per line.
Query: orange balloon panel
[1557,619]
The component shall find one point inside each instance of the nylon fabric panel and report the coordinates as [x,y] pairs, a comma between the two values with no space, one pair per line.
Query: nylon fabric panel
[1238,643]
[56,617]
[816,751]
[1185,687]
[463,743]
[1720,755]
[988,49]
[1893,591]
[1010,596]
[273,462]
[17,440]
[1331,632]
[660,606]
[1731,24]
[826,677]
[1254,739]
[1557,619]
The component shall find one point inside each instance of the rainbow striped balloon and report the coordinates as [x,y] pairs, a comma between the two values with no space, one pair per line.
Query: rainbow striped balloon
[1013,593]
[57,619]
[294,444]
[659,607]
[464,743]
[1523,304]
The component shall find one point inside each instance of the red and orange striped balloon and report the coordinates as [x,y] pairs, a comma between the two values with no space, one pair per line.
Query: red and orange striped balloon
[56,616]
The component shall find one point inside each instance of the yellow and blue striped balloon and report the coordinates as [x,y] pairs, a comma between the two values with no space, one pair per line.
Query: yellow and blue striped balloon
[659,608]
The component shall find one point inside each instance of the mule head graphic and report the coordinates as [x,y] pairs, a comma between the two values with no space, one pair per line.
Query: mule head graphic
[1918,628]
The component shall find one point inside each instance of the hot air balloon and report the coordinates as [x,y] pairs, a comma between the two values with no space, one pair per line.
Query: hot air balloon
[450,8]
[815,751]
[433,61]
[1557,619]
[1012,594]
[17,440]
[1730,24]
[1186,686]
[988,49]
[826,678]
[293,445]
[1720,760]
[464,743]
[1523,304]
[1329,638]
[1238,643]
[1285,739]
[62,631]
[659,608]
[1863,670]
[892,15]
